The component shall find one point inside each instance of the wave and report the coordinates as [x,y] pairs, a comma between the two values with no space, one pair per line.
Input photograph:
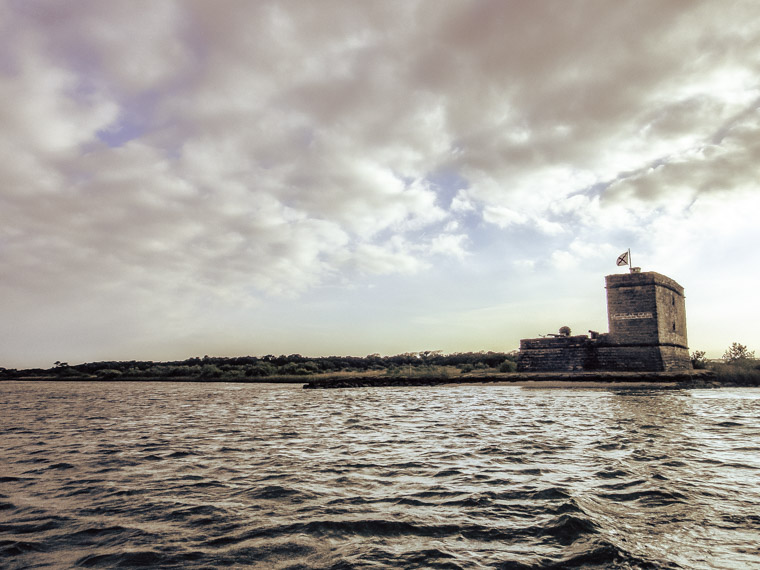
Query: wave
[601,555]
[18,547]
[7,479]
[144,558]
[182,453]
[568,528]
[651,496]
[623,484]
[242,476]
[565,529]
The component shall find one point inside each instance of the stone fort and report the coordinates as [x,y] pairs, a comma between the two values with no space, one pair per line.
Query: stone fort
[646,313]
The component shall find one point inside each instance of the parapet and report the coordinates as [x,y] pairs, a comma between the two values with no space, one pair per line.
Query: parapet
[558,353]
[639,279]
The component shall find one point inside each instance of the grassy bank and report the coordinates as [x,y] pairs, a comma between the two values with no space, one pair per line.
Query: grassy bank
[741,373]
[251,370]
[297,369]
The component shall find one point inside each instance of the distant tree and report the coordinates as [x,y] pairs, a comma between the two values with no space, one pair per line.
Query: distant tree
[698,360]
[737,353]
[429,355]
[211,371]
[310,367]
[299,369]
[108,373]
[261,369]
[565,331]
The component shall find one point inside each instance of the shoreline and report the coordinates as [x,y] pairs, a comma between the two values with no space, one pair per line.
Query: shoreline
[683,378]
[542,384]
[606,379]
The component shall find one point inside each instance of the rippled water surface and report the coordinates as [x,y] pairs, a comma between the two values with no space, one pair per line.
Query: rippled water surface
[272,476]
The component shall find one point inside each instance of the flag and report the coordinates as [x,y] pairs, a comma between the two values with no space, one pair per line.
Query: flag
[622,259]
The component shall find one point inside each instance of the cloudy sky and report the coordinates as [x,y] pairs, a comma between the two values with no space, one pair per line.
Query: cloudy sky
[338,177]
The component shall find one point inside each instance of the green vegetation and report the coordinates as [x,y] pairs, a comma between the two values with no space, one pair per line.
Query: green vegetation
[737,368]
[745,373]
[737,353]
[698,360]
[270,368]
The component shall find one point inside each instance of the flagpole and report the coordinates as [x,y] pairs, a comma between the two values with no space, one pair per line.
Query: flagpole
[630,261]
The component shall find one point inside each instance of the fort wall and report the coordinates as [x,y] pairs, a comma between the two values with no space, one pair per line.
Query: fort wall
[556,354]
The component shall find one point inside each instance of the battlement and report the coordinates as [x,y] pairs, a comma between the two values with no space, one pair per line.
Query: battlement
[640,279]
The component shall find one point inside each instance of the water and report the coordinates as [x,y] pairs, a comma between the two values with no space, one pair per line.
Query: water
[193,475]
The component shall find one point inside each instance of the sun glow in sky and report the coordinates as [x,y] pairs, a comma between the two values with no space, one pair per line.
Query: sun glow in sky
[182,178]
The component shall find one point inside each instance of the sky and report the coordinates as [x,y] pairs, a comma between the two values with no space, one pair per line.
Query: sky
[189,178]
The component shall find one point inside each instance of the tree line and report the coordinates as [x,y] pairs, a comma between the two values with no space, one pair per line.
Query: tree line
[262,367]
[738,365]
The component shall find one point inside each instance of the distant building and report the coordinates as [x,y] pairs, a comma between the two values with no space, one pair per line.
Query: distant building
[646,313]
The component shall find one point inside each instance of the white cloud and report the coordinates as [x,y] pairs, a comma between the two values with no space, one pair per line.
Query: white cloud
[450,244]
[462,203]
[503,216]
[175,153]
[395,257]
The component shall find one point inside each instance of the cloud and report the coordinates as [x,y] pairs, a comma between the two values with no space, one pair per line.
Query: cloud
[188,154]
[450,244]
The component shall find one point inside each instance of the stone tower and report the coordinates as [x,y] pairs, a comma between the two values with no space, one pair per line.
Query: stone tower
[646,313]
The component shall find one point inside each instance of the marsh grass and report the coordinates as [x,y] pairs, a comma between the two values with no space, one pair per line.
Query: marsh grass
[738,373]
